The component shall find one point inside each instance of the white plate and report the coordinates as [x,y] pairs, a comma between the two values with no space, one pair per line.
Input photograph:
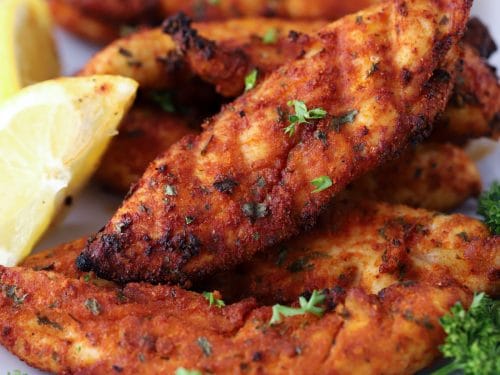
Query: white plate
[94,207]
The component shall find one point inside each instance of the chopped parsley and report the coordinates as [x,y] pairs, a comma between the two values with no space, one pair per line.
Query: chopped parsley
[189,219]
[306,306]
[251,79]
[321,183]
[271,36]
[212,300]
[473,338]
[164,100]
[489,207]
[345,118]
[183,371]
[205,346]
[302,115]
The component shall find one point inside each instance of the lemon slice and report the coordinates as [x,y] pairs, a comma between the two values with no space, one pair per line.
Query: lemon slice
[52,136]
[27,49]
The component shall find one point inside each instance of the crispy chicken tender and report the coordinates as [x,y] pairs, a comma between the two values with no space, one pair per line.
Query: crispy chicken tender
[153,59]
[213,201]
[64,325]
[434,176]
[296,9]
[120,10]
[368,245]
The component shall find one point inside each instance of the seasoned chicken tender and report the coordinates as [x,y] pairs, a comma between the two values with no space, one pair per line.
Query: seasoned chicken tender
[434,176]
[64,325]
[246,183]
[120,10]
[371,246]
[153,59]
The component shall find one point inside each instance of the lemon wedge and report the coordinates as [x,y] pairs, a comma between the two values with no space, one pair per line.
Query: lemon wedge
[52,136]
[27,49]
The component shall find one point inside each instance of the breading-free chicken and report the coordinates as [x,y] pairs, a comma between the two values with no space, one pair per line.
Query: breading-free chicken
[371,246]
[64,325]
[263,169]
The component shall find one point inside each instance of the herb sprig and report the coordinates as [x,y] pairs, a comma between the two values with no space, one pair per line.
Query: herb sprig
[302,115]
[489,207]
[213,300]
[473,338]
[311,306]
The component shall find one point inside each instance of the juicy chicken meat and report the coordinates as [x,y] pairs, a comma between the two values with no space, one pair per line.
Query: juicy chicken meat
[65,325]
[371,246]
[213,201]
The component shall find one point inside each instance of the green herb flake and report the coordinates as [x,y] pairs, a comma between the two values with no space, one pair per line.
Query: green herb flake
[170,190]
[270,36]
[183,371]
[212,300]
[311,307]
[189,219]
[11,292]
[321,183]
[16,372]
[473,338]
[93,306]
[302,115]
[489,207]
[213,2]
[205,346]
[346,118]
[44,321]
[464,236]
[251,79]
[164,100]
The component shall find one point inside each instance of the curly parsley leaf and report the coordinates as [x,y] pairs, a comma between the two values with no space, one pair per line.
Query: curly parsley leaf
[311,306]
[251,79]
[213,300]
[489,207]
[473,338]
[321,183]
[302,115]
[271,36]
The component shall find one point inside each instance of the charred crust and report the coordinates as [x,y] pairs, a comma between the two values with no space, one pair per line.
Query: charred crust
[293,35]
[111,243]
[179,27]
[478,36]
[225,185]
[173,61]
[189,245]
[406,76]
[84,263]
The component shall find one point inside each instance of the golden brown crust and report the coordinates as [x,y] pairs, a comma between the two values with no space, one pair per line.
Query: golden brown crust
[474,108]
[437,177]
[71,326]
[118,10]
[294,9]
[144,133]
[192,225]
[370,246]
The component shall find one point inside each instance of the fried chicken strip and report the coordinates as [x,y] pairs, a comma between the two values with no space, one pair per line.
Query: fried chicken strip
[213,201]
[69,326]
[368,245]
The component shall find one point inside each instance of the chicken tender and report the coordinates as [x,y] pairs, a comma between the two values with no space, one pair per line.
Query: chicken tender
[64,325]
[371,246]
[258,173]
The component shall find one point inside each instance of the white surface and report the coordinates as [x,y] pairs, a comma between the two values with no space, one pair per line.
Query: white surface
[92,209]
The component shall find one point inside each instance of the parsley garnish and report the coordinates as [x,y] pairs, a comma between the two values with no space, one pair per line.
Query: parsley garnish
[170,190]
[205,346]
[251,79]
[93,306]
[302,114]
[305,307]
[321,183]
[473,338]
[489,207]
[183,371]
[212,300]
[271,36]
[164,99]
